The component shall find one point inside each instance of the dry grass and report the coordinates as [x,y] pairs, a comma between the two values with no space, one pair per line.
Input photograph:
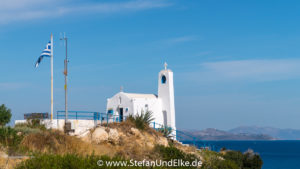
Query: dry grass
[130,146]
[135,146]
[126,126]
[59,143]
[185,148]
[6,163]
[141,146]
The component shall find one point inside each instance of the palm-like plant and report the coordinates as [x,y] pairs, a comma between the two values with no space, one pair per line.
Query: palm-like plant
[147,117]
[166,131]
[141,120]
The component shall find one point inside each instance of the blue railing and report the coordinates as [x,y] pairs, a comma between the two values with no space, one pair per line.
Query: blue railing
[184,137]
[78,115]
[180,135]
[87,115]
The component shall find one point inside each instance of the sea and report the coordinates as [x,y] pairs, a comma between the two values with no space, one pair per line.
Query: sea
[277,154]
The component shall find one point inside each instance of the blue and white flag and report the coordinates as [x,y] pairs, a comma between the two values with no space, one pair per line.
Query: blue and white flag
[46,53]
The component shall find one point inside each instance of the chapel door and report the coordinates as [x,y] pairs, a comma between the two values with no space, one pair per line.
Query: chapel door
[121,114]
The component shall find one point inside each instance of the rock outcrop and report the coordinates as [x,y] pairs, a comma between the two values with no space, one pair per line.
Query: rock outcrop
[113,136]
[99,135]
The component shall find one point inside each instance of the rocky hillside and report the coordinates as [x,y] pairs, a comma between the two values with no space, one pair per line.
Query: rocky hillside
[36,146]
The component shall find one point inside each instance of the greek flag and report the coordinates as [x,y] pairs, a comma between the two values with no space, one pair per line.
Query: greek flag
[46,53]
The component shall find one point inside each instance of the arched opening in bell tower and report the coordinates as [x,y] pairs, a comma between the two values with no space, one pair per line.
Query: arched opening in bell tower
[163,79]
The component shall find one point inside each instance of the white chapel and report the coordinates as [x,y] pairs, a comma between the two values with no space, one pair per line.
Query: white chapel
[161,105]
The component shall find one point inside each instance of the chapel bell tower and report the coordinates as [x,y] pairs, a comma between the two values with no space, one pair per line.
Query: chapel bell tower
[166,94]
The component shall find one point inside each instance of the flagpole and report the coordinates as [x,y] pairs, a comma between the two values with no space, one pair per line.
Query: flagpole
[51,58]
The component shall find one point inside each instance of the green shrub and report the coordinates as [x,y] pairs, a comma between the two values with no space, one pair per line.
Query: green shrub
[5,115]
[235,156]
[248,160]
[251,160]
[166,131]
[169,153]
[10,139]
[35,123]
[229,159]
[25,130]
[68,161]
[173,153]
[219,164]
[209,155]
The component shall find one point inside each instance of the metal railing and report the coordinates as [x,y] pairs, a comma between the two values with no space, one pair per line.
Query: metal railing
[96,116]
[179,135]
[183,136]
[43,115]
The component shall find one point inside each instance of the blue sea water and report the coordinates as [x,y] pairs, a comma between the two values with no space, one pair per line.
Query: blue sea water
[275,154]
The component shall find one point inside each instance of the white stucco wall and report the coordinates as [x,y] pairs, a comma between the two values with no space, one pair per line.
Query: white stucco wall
[120,101]
[79,126]
[136,103]
[154,105]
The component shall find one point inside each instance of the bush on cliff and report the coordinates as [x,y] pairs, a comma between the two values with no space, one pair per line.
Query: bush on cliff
[166,131]
[248,160]
[219,164]
[10,139]
[69,161]
[5,115]
[171,152]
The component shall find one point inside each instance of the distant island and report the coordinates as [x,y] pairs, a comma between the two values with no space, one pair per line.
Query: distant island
[215,134]
[278,134]
[242,133]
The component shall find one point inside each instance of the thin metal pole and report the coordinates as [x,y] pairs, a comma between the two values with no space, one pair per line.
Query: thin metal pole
[51,58]
[66,78]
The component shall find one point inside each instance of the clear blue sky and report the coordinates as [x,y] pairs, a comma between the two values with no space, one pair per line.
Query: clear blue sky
[234,62]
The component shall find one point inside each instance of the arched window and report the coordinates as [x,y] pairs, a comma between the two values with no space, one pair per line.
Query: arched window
[163,79]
